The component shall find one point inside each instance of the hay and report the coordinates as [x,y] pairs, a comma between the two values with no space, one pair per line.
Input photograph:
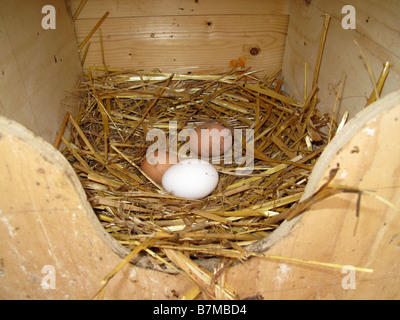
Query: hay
[108,143]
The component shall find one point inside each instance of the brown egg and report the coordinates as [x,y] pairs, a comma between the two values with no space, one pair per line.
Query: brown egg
[156,163]
[211,139]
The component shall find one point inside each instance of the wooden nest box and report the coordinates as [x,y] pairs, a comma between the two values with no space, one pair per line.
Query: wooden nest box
[343,242]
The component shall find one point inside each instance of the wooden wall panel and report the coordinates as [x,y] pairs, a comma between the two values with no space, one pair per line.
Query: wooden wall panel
[37,66]
[183,36]
[378,33]
[148,8]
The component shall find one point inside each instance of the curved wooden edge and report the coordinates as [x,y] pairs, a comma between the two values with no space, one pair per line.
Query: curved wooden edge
[53,157]
[320,172]
[367,152]
[340,140]
[52,246]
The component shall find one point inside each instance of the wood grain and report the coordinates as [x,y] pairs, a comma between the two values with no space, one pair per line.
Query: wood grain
[174,37]
[152,8]
[188,44]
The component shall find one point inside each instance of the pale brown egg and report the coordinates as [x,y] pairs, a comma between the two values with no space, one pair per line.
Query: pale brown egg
[211,139]
[156,163]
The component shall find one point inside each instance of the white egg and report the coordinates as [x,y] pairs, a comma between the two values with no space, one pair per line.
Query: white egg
[191,179]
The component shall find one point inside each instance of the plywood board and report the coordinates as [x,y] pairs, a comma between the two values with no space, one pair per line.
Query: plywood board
[151,8]
[186,37]
[37,66]
[378,33]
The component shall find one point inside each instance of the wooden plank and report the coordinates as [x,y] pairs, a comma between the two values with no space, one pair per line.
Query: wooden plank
[377,31]
[152,8]
[188,43]
[38,66]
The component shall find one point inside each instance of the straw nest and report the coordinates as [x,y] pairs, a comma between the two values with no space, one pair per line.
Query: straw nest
[108,143]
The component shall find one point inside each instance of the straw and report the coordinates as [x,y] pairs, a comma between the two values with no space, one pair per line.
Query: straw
[82,44]
[107,144]
[371,74]
[379,85]
[79,9]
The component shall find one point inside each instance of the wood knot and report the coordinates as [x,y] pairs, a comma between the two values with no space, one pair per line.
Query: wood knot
[254,51]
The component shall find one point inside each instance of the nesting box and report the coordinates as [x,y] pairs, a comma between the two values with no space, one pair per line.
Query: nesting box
[343,246]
